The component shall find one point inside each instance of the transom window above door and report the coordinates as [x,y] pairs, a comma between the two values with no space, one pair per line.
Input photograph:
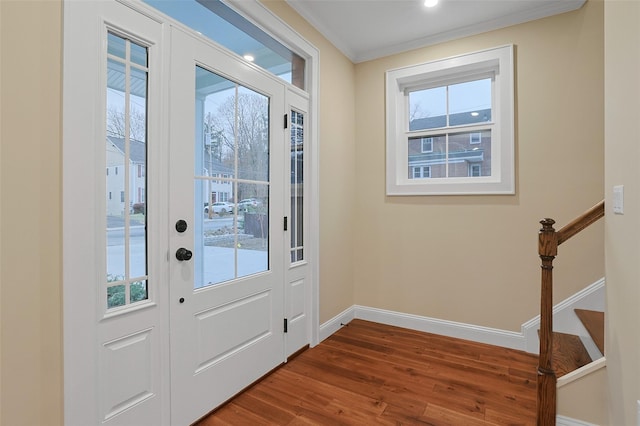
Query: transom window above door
[222,24]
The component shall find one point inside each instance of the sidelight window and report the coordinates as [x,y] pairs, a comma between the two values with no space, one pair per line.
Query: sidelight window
[126,124]
[297,186]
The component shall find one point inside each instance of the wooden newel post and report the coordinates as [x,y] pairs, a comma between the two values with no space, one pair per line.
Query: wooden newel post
[547,249]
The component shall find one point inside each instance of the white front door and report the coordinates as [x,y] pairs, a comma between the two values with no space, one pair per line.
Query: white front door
[226,200]
[179,170]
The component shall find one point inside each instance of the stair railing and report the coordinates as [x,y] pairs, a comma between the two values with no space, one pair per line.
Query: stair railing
[548,241]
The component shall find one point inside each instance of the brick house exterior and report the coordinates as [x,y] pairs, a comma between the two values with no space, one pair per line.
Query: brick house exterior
[468,153]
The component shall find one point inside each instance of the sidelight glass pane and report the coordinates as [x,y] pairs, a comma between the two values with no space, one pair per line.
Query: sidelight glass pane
[231,179]
[139,54]
[116,46]
[126,165]
[297,186]
[115,176]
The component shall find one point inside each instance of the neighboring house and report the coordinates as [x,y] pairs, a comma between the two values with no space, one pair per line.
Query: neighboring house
[468,153]
[116,163]
[221,189]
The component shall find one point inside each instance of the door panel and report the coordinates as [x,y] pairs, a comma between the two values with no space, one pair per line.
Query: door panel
[226,301]
[114,263]
[298,271]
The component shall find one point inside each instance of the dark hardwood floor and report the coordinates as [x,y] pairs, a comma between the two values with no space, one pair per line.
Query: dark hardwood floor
[369,373]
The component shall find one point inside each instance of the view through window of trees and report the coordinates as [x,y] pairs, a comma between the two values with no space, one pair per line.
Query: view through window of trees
[231,179]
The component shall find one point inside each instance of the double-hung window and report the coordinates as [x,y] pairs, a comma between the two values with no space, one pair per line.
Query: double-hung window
[453,117]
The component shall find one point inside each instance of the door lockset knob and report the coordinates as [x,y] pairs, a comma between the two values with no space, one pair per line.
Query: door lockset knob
[181,225]
[183,254]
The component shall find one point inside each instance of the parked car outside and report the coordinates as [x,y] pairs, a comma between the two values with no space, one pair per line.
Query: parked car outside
[244,205]
[221,207]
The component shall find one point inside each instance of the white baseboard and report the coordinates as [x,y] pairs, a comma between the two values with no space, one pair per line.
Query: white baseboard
[493,336]
[591,297]
[334,324]
[568,421]
[565,319]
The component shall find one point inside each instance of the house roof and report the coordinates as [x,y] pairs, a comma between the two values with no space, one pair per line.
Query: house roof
[454,120]
[217,167]
[137,149]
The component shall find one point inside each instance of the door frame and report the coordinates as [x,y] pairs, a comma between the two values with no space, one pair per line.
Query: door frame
[80,358]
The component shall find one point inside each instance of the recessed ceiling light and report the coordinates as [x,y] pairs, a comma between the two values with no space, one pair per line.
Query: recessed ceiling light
[475,114]
[249,58]
[430,3]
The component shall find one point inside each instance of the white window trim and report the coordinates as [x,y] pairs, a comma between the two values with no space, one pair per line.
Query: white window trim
[496,61]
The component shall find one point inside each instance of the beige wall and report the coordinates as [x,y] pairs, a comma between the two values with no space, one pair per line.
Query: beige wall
[586,399]
[622,232]
[473,259]
[337,167]
[30,228]
[381,245]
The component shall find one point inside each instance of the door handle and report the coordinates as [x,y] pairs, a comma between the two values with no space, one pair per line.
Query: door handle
[183,254]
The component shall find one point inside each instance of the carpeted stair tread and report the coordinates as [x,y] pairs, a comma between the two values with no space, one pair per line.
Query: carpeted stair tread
[594,323]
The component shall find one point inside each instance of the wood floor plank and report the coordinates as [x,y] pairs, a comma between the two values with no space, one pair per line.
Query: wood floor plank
[439,415]
[370,373]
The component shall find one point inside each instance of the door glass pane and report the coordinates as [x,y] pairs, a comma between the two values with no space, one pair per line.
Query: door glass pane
[231,180]
[126,165]
[297,186]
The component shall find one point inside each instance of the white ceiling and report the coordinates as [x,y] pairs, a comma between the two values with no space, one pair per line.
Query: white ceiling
[369,29]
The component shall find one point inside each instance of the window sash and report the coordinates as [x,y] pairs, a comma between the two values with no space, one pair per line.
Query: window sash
[496,62]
